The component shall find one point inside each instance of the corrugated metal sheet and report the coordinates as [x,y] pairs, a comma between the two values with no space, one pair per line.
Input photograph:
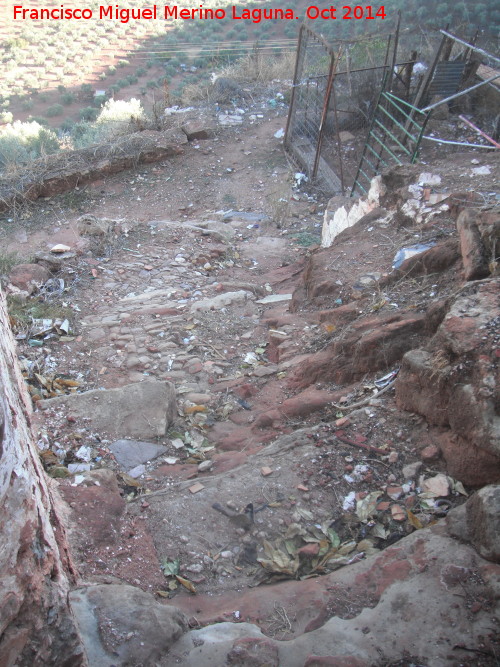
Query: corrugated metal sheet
[446,79]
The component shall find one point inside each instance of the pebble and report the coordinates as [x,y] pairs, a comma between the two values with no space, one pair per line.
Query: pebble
[195,567]
[411,470]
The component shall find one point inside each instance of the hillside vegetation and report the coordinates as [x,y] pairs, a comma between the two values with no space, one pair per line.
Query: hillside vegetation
[53,68]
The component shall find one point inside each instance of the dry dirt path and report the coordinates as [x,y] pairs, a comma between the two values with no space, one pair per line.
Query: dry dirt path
[171,292]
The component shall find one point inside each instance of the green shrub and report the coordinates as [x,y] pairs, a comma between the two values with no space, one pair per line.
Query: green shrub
[67,98]
[86,89]
[38,119]
[114,119]
[88,113]
[21,142]
[54,110]
[99,101]
[6,117]
[67,125]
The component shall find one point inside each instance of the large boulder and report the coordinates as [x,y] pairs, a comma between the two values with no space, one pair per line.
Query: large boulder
[139,410]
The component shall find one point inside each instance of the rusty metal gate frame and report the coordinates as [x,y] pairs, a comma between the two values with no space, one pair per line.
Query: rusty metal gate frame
[305,35]
[314,102]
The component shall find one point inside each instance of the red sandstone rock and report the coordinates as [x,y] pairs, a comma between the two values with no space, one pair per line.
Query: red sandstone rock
[455,382]
[335,661]
[370,344]
[253,652]
[28,277]
[437,259]
[341,315]
[471,245]
[430,454]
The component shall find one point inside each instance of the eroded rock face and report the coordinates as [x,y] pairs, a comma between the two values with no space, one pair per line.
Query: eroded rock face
[369,344]
[253,652]
[478,522]
[474,258]
[454,382]
[122,625]
[362,615]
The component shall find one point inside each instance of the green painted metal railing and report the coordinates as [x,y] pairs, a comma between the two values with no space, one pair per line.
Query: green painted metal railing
[394,138]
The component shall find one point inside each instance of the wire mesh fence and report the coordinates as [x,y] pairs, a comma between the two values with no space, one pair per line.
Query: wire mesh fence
[312,83]
[359,106]
[336,87]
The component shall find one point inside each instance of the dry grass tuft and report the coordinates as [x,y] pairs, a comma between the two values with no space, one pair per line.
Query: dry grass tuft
[258,67]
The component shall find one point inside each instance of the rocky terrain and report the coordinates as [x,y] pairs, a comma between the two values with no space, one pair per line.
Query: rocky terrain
[205,330]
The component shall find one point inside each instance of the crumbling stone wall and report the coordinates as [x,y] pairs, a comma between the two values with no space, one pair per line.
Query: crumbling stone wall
[36,626]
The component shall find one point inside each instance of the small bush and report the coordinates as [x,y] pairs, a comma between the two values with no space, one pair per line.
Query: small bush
[88,113]
[86,89]
[38,119]
[67,98]
[6,117]
[54,110]
[114,119]
[21,142]
[67,125]
[99,101]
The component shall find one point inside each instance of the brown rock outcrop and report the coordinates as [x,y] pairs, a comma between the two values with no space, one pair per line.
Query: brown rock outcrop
[28,277]
[474,257]
[454,382]
[369,344]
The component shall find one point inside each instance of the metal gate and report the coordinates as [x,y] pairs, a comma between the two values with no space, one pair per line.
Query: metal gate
[312,84]
[335,91]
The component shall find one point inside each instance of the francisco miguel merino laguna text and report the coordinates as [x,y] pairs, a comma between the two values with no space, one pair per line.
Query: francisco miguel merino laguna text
[125,14]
